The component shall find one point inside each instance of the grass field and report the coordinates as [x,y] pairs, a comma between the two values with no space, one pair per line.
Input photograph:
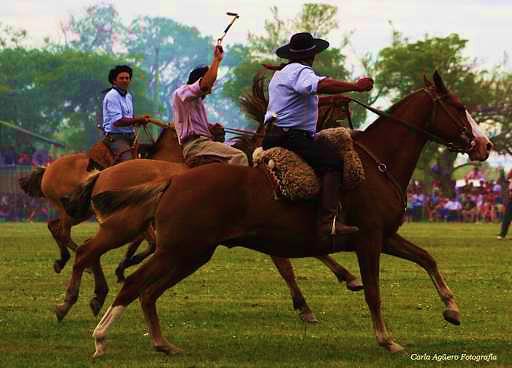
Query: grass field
[236,311]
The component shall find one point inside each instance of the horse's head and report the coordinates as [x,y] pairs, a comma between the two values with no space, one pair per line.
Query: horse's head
[452,122]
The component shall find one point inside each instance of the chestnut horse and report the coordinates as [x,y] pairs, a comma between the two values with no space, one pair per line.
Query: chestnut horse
[55,186]
[219,204]
[65,175]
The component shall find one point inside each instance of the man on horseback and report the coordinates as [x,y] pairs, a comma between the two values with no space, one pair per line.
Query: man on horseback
[118,119]
[191,120]
[292,115]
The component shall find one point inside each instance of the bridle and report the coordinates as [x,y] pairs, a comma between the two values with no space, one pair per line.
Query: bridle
[437,100]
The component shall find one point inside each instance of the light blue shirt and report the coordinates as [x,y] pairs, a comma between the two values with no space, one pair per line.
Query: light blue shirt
[292,98]
[116,107]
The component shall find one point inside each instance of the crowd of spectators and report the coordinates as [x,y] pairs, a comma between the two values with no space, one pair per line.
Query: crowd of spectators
[14,204]
[21,207]
[9,156]
[474,199]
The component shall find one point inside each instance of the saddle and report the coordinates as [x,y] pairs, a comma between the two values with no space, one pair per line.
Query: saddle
[293,179]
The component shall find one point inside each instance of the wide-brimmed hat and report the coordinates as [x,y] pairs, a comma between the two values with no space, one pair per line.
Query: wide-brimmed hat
[302,46]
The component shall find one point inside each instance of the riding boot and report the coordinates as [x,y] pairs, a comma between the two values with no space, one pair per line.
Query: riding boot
[329,215]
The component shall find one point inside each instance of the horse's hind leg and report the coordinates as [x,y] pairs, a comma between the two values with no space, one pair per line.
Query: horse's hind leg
[108,237]
[159,273]
[341,273]
[285,269]
[402,248]
[131,259]
[60,228]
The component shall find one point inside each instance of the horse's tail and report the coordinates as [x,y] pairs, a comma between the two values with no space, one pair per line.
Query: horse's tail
[108,202]
[255,104]
[78,204]
[31,184]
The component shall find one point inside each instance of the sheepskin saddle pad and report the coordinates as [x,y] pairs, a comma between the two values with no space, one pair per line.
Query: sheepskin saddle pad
[294,179]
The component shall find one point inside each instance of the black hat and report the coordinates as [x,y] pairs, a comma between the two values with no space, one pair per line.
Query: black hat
[113,73]
[302,46]
[198,72]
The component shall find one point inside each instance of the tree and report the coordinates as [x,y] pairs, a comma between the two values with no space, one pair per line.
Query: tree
[99,28]
[401,68]
[496,112]
[56,93]
[168,51]
[320,20]
[11,37]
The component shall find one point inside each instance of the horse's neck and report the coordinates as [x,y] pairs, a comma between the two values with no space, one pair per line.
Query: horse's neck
[167,147]
[394,144]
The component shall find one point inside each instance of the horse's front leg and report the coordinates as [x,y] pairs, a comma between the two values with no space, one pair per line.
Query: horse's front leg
[368,255]
[285,269]
[341,273]
[402,248]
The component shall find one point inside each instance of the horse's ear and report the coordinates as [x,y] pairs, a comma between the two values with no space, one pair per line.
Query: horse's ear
[426,81]
[438,81]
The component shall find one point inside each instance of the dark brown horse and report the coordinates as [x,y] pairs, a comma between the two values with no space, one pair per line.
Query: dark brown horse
[228,210]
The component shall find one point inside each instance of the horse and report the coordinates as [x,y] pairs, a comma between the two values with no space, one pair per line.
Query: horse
[228,210]
[65,175]
[167,149]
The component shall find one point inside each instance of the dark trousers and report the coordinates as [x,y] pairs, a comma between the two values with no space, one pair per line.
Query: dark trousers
[320,157]
[507,218]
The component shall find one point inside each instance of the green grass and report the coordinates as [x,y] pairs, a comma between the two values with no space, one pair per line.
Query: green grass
[236,311]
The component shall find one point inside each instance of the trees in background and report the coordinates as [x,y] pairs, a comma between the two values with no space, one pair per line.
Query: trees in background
[400,69]
[319,20]
[54,90]
[56,93]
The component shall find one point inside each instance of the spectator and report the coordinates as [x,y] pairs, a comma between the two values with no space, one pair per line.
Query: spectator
[475,174]
[453,210]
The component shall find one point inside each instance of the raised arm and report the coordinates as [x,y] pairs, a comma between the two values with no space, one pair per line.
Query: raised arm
[210,77]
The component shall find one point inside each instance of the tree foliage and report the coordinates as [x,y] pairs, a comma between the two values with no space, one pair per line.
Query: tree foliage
[401,68]
[99,28]
[57,93]
[320,20]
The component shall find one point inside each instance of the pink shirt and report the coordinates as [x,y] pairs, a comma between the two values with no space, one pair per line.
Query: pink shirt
[190,115]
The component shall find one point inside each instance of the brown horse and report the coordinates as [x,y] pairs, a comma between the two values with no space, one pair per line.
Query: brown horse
[227,209]
[69,172]
[122,176]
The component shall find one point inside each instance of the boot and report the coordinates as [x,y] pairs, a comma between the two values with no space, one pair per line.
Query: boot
[329,220]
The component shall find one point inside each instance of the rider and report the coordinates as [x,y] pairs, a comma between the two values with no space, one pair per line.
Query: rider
[292,113]
[118,119]
[191,120]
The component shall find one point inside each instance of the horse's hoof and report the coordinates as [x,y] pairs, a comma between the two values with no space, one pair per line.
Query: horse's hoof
[57,267]
[95,306]
[101,347]
[393,347]
[354,285]
[60,312]
[308,317]
[169,349]
[452,316]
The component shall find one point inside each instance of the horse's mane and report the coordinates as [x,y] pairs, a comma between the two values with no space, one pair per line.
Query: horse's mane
[254,104]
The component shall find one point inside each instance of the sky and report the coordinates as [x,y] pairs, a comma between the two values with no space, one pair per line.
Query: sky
[485,23]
